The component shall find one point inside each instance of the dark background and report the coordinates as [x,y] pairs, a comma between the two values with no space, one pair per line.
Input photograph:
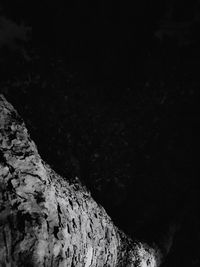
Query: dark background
[109,93]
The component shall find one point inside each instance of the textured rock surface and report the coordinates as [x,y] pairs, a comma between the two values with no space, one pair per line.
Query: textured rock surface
[45,221]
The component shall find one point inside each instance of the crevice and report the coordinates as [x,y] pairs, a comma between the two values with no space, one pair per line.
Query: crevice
[71,203]
[39,197]
[68,229]
[74,223]
[55,231]
[2,159]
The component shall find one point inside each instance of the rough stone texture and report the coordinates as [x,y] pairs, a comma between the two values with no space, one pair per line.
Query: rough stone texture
[45,221]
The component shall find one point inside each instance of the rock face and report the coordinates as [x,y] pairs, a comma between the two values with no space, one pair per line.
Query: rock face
[46,221]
